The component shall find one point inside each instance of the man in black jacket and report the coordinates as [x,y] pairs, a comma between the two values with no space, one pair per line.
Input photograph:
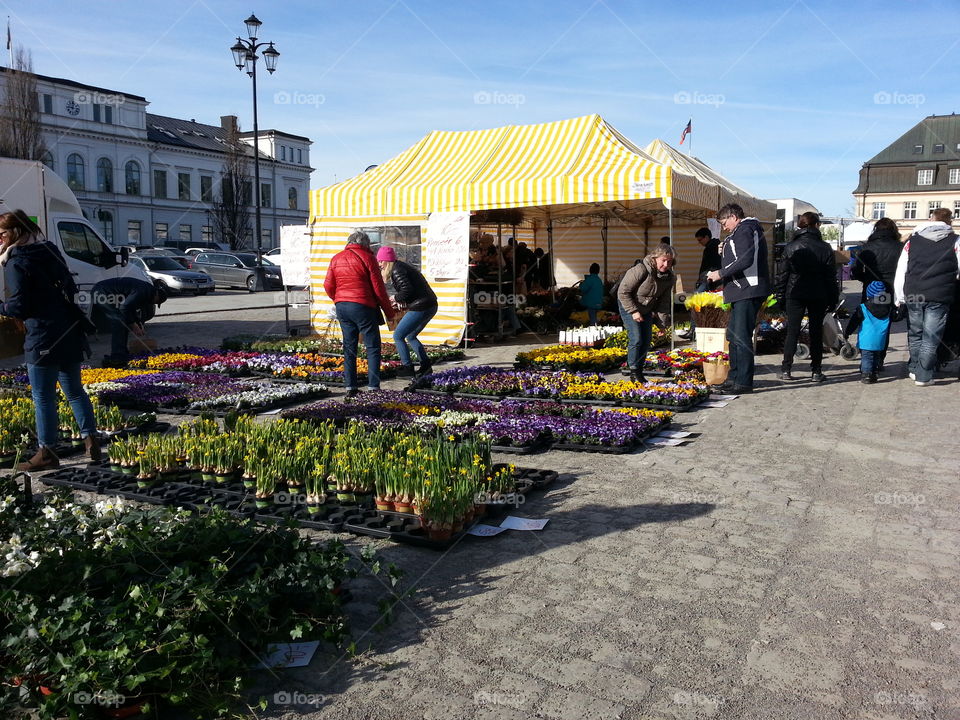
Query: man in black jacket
[926,275]
[710,260]
[746,284]
[128,303]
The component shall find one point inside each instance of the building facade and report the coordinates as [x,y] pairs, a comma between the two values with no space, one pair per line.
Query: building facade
[143,179]
[918,173]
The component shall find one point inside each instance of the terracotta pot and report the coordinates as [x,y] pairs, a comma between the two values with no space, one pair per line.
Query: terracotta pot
[384,504]
[439,534]
[403,507]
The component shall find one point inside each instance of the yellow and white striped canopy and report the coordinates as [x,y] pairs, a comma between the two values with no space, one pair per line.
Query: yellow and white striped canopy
[565,165]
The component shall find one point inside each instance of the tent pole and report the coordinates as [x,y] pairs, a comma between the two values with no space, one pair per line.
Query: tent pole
[603,234]
[673,290]
[499,280]
[553,291]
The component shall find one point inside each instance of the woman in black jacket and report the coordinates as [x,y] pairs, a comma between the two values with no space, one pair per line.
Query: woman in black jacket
[41,293]
[414,292]
[806,284]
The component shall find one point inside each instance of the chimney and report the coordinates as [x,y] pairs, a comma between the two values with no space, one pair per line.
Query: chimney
[229,123]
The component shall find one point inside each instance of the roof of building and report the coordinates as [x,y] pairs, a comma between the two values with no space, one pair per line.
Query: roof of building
[81,86]
[917,145]
[265,133]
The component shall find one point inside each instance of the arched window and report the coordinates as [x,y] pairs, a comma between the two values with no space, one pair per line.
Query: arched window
[47,160]
[104,175]
[75,172]
[106,220]
[132,171]
[292,198]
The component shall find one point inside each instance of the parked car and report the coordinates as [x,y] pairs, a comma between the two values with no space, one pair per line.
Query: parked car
[168,272]
[237,269]
[185,260]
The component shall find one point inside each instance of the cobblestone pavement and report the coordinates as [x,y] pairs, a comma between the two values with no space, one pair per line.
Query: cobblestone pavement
[797,559]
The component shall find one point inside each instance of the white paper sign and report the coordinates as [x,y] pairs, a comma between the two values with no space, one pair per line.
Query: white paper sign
[290,655]
[713,404]
[448,245]
[723,397]
[485,530]
[641,186]
[669,442]
[295,254]
[674,433]
[515,523]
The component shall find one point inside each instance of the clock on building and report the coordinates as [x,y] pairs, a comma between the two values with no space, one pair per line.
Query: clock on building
[73,108]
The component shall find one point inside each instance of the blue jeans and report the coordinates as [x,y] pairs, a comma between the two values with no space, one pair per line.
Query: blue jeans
[407,329]
[592,314]
[871,361]
[119,332]
[355,319]
[925,324]
[639,335]
[743,321]
[43,387]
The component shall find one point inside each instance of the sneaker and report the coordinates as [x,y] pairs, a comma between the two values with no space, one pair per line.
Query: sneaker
[784,375]
[817,377]
[352,392]
[637,377]
[912,376]
[739,389]
[869,379]
[923,383]
[405,370]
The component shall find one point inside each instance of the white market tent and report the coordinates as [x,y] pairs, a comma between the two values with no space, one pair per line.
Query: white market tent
[585,191]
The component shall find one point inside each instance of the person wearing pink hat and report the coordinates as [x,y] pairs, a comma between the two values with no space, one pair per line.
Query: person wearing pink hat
[413,292]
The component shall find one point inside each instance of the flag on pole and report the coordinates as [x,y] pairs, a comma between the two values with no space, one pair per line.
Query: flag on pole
[688,129]
[9,39]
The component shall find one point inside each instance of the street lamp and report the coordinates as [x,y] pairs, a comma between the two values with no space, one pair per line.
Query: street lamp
[245,58]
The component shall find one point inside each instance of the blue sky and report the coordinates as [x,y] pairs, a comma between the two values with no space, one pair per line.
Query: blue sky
[788,99]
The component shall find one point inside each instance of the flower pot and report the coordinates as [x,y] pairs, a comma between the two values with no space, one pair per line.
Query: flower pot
[114,467]
[207,477]
[222,478]
[128,470]
[384,504]
[263,503]
[146,481]
[314,508]
[403,507]
[439,534]
[249,482]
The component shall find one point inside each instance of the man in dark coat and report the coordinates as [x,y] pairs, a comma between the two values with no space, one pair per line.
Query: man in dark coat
[128,303]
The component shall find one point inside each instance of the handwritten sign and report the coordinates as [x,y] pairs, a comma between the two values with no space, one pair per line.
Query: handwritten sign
[448,245]
[295,255]
[641,187]
[516,523]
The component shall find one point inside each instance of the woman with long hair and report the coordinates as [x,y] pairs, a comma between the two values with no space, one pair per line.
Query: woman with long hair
[40,291]
[414,292]
[806,285]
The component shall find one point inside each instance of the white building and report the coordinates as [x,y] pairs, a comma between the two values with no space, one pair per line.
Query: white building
[145,178]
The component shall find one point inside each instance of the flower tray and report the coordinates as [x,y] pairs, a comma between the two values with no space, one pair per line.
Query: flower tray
[539,446]
[590,401]
[441,393]
[606,449]
[478,396]
[661,406]
[399,529]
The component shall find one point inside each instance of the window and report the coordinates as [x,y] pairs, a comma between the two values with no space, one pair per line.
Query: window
[104,175]
[81,243]
[292,198]
[910,211]
[206,188]
[283,152]
[206,234]
[186,232]
[405,240]
[48,160]
[75,172]
[106,222]
[160,232]
[300,155]
[954,178]
[265,198]
[956,209]
[160,184]
[879,208]
[47,103]
[932,205]
[134,231]
[266,237]
[132,177]
[96,112]
[925,177]
[183,186]
[918,149]
[938,148]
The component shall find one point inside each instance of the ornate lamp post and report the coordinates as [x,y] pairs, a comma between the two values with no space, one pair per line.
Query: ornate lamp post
[245,57]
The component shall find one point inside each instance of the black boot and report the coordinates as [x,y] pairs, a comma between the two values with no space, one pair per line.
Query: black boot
[425,369]
[406,370]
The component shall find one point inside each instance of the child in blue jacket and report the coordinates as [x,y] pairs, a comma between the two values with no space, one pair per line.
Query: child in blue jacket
[872,319]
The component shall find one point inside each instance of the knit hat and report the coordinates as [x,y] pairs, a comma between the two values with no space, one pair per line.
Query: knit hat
[876,288]
[386,254]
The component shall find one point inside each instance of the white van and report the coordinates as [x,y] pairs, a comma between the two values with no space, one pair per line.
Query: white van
[34,188]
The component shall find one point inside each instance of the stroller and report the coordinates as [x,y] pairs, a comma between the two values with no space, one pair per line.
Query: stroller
[833,339]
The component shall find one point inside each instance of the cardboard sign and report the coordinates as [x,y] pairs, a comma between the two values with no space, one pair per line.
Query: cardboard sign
[448,245]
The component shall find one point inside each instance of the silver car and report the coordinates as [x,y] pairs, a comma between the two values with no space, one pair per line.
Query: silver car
[168,272]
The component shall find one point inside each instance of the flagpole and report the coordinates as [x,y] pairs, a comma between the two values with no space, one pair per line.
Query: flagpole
[690,137]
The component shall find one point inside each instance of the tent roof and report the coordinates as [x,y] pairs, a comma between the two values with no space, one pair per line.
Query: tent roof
[688,168]
[561,168]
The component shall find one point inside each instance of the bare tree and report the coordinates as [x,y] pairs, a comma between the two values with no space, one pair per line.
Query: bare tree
[230,213]
[20,135]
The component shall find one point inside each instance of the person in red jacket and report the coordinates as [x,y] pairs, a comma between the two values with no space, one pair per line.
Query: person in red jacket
[354,284]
